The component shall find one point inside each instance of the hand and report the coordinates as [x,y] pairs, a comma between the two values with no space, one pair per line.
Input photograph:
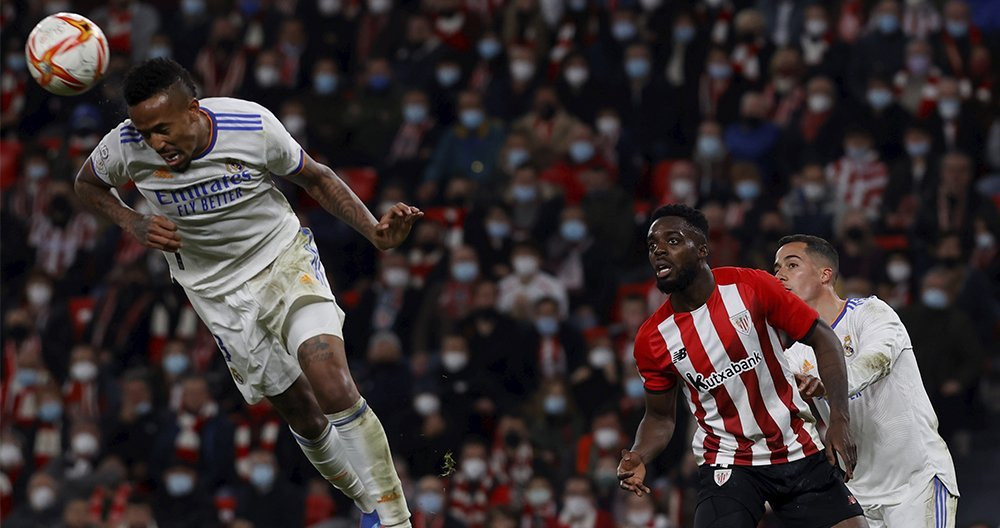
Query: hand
[809,386]
[840,444]
[631,473]
[950,388]
[156,232]
[395,225]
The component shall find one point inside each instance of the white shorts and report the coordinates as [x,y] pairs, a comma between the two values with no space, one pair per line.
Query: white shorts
[934,507]
[251,324]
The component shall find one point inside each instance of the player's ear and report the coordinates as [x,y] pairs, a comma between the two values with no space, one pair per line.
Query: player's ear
[826,275]
[194,106]
[703,250]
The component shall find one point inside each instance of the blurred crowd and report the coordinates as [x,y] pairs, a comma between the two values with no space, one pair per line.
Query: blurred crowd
[496,344]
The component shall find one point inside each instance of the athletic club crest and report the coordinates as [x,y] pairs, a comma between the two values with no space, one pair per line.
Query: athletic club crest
[722,476]
[741,322]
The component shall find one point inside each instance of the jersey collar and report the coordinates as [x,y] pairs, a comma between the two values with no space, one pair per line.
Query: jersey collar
[214,132]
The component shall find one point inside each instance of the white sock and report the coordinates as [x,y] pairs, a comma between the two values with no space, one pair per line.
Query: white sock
[368,450]
[328,455]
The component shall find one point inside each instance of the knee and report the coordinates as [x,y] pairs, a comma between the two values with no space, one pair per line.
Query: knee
[309,425]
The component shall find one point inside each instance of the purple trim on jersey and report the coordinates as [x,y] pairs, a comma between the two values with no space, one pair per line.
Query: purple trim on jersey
[231,127]
[302,161]
[215,133]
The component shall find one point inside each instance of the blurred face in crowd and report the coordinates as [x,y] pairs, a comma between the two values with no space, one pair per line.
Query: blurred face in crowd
[573,227]
[267,71]
[956,19]
[38,291]
[639,511]
[384,349]
[816,23]
[802,272]
[546,103]
[516,151]
[578,500]
[418,29]
[538,492]
[76,514]
[83,364]
[263,470]
[623,25]
[812,182]
[85,440]
[430,495]
[379,75]
[956,173]
[179,481]
[464,264]
[473,461]
[581,145]
[395,271]
[522,64]
[454,353]
[749,25]
[709,146]
[746,181]
[820,96]
[525,261]
[470,110]
[717,66]
[917,142]
[415,107]
[547,317]
[753,108]
[195,395]
[949,102]
[949,251]
[607,431]
[857,145]
[43,490]
[918,57]
[637,62]
[524,187]
[683,180]
[786,69]
[608,124]
[684,30]
[879,94]
[326,77]
[448,73]
[175,358]
[886,16]
[137,395]
[936,289]
[576,72]
[497,223]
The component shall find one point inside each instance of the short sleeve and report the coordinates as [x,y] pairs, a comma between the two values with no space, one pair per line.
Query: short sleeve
[782,308]
[651,360]
[107,161]
[285,156]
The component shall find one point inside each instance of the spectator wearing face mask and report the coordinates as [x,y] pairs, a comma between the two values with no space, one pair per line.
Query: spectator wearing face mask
[490,234]
[617,145]
[373,115]
[596,381]
[580,264]
[131,431]
[511,95]
[882,115]
[325,99]
[640,102]
[183,499]
[42,506]
[954,203]
[263,84]
[808,205]
[560,346]
[448,83]
[577,88]
[896,284]
[414,59]
[554,422]
[468,149]
[859,178]
[605,439]
[391,303]
[388,378]
[490,61]
[823,54]
[947,349]
[534,205]
[881,50]
[431,510]
[753,138]
[915,173]
[471,488]
[84,389]
[528,284]
[917,82]
[266,497]
[953,121]
[753,50]
[579,507]
[64,236]
[816,133]
[685,55]
[447,299]
[580,156]
[78,463]
[975,294]
[719,90]
[538,504]
[221,64]
[955,44]
[511,457]
[548,127]
[50,316]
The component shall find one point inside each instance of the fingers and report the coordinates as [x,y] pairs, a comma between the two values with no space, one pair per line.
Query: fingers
[635,486]
[831,456]
[162,243]
[164,222]
[849,461]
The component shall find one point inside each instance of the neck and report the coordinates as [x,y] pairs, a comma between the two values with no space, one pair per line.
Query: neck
[697,293]
[828,304]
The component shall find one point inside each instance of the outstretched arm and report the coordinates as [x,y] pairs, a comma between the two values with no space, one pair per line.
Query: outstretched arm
[652,437]
[339,200]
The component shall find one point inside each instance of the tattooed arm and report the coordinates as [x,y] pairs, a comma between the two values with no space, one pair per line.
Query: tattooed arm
[339,200]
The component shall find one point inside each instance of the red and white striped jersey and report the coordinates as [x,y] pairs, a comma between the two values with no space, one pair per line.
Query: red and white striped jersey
[728,354]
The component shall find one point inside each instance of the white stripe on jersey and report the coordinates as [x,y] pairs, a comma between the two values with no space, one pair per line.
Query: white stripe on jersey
[769,393]
[727,442]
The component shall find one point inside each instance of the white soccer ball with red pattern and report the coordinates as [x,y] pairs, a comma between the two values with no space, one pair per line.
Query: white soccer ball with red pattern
[67,54]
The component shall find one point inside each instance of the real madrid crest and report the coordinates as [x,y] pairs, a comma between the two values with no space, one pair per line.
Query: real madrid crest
[234,166]
[236,376]
[848,349]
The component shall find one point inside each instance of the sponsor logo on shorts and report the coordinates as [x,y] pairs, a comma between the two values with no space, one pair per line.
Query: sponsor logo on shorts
[722,476]
[236,376]
[851,499]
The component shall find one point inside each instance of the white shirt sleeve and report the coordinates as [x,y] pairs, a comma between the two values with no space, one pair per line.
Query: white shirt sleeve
[107,161]
[284,155]
[881,337]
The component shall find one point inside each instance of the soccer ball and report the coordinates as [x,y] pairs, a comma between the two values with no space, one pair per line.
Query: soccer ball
[67,54]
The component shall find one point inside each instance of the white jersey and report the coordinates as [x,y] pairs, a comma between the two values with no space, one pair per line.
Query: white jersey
[231,218]
[892,421]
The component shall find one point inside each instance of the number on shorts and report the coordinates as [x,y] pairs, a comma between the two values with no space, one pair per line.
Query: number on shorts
[222,347]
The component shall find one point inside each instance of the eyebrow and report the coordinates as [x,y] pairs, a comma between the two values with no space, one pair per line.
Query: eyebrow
[667,232]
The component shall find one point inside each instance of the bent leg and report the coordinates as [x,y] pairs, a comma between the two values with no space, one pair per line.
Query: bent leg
[315,329]
[319,441]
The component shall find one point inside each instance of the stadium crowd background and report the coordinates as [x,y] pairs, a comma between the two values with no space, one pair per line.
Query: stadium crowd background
[537,135]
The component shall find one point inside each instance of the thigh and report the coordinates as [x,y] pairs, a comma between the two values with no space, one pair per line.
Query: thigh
[723,512]
[933,507]
[816,497]
[720,488]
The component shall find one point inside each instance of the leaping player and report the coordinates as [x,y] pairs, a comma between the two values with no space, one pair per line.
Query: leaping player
[905,476]
[250,270]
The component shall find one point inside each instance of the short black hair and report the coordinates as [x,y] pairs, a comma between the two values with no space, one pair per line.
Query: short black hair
[155,76]
[690,215]
[817,247]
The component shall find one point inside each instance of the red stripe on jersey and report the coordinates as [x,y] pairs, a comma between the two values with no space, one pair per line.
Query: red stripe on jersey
[736,351]
[784,390]
[724,402]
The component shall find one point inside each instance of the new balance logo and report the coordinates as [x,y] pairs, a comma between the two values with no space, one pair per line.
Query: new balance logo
[735,368]
[679,355]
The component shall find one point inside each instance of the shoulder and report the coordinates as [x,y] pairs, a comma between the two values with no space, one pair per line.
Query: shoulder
[732,275]
[231,104]
[652,324]
[868,308]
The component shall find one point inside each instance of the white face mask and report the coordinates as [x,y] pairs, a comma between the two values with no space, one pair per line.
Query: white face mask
[83,371]
[396,277]
[577,506]
[379,6]
[41,498]
[576,75]
[898,271]
[266,76]
[84,444]
[426,404]
[985,240]
[608,125]
[816,27]
[601,357]
[525,265]
[522,70]
[681,187]
[38,294]
[454,360]
[474,468]
[606,437]
[813,190]
[639,517]
[538,496]
[10,456]
[819,103]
